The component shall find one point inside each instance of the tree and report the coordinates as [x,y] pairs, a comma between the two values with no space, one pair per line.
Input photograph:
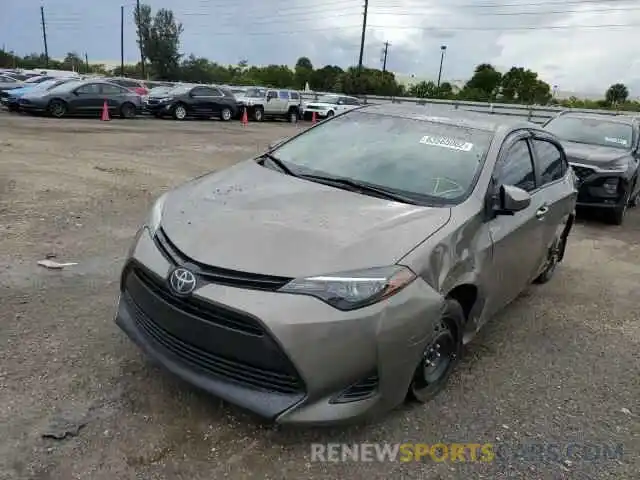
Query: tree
[616,93]
[423,90]
[484,84]
[160,40]
[327,79]
[303,72]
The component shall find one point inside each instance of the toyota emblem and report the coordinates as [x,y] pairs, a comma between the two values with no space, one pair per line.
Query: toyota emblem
[182,281]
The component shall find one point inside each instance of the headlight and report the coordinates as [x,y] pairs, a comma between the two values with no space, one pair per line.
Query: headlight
[356,289]
[166,99]
[155,216]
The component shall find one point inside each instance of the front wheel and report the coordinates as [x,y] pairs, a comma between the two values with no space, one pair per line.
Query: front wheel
[330,113]
[293,116]
[258,114]
[57,108]
[616,215]
[226,114]
[439,356]
[179,112]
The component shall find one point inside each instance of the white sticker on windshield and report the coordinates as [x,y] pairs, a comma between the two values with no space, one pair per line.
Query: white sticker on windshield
[621,141]
[447,142]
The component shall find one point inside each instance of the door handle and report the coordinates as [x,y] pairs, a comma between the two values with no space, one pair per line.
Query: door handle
[542,211]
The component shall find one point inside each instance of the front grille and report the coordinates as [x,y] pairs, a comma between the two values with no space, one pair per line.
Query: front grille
[212,364]
[361,390]
[152,102]
[220,276]
[582,172]
[214,339]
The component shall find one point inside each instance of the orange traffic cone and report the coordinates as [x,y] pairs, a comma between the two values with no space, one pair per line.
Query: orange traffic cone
[245,119]
[313,117]
[105,112]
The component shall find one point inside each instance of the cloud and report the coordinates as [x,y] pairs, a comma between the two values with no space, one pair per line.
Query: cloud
[502,32]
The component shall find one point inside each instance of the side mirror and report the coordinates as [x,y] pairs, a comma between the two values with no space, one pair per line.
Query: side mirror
[75,92]
[277,143]
[511,200]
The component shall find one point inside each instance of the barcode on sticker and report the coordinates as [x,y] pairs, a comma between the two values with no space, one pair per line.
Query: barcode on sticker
[621,141]
[446,142]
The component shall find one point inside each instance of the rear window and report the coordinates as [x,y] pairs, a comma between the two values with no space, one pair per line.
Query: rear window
[430,160]
[592,131]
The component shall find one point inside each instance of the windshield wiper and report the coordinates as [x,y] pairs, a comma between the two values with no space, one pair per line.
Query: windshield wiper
[355,185]
[278,163]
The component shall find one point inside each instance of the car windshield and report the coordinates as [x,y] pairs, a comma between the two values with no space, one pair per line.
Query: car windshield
[328,99]
[432,162]
[159,91]
[255,92]
[67,86]
[592,131]
[179,90]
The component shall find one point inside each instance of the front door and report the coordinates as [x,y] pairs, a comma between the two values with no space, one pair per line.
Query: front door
[273,104]
[87,99]
[517,239]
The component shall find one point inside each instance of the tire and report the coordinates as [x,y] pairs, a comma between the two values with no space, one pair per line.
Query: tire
[226,114]
[57,108]
[553,259]
[440,355]
[616,215]
[258,114]
[128,110]
[179,112]
[293,116]
[330,113]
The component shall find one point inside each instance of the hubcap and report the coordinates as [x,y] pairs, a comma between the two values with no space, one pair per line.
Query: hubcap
[180,112]
[226,114]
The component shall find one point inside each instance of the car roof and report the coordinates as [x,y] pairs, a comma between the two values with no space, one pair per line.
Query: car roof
[449,115]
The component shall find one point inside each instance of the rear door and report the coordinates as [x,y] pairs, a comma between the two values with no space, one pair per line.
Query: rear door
[556,186]
[518,245]
[114,95]
[87,98]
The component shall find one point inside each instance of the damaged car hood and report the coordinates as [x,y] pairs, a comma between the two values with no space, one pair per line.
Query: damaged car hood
[253,219]
[594,155]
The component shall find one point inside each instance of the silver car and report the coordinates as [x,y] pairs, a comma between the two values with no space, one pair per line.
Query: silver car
[345,268]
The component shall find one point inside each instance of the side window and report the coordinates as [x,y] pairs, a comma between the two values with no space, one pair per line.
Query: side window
[551,163]
[295,96]
[112,90]
[199,92]
[214,92]
[516,167]
[272,94]
[89,89]
[283,94]
[353,101]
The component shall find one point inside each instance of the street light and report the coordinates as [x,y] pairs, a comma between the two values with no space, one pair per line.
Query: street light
[443,48]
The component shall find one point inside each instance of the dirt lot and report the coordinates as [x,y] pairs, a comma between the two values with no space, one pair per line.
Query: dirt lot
[561,365]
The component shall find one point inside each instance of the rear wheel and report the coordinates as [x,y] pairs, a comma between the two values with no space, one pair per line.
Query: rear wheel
[57,108]
[553,258]
[293,116]
[128,110]
[439,356]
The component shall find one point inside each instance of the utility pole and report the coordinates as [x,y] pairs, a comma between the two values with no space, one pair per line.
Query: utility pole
[122,41]
[44,38]
[140,40]
[364,30]
[385,52]
[86,61]
[443,49]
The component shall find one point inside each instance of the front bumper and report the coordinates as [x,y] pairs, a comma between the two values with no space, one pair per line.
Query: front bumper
[308,114]
[287,358]
[163,108]
[591,192]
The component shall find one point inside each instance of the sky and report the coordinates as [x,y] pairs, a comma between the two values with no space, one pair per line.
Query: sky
[578,45]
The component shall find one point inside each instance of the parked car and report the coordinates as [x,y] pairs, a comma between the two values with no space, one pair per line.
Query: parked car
[137,86]
[84,97]
[11,98]
[262,103]
[203,101]
[603,152]
[7,82]
[328,105]
[345,267]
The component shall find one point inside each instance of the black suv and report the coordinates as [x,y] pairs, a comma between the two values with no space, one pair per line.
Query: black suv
[203,101]
[603,151]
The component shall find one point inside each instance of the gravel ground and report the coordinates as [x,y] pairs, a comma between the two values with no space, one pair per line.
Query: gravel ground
[559,366]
